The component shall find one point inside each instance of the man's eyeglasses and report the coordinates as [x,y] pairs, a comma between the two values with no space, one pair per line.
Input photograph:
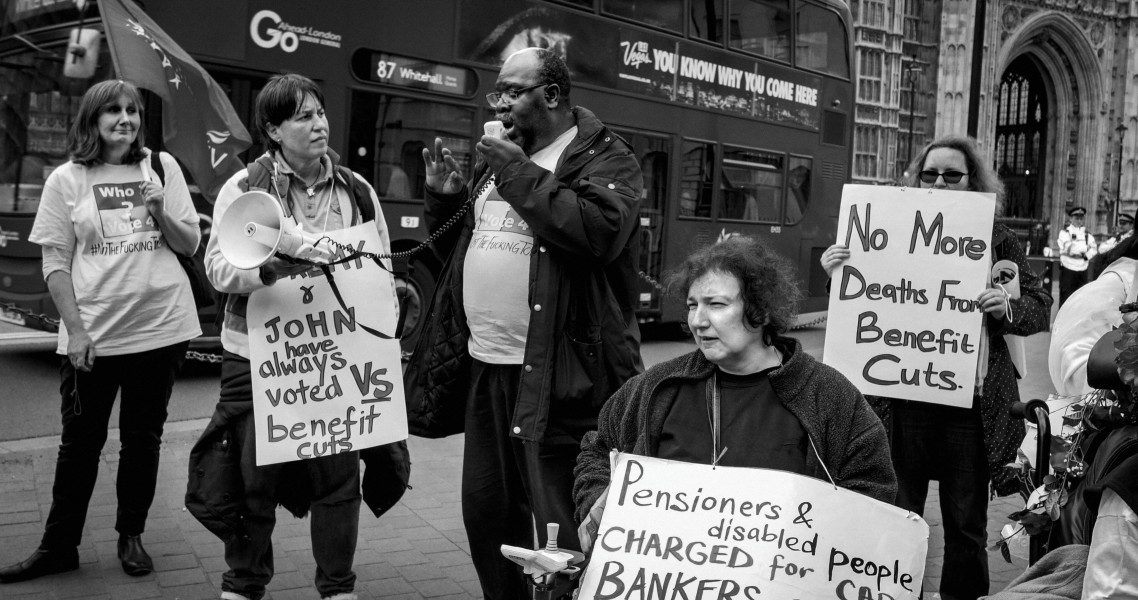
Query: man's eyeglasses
[930,176]
[510,96]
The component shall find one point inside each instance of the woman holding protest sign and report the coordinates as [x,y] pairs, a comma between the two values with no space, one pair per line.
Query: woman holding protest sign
[965,448]
[109,229]
[233,495]
[777,407]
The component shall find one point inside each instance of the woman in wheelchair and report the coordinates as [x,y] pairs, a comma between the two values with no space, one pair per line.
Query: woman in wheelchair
[1094,353]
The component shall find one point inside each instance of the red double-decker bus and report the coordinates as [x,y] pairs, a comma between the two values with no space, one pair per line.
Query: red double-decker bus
[740,111]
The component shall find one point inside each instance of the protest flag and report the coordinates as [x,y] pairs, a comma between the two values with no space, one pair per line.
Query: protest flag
[199,124]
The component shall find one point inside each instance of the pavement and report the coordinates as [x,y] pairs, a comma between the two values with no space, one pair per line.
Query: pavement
[417,550]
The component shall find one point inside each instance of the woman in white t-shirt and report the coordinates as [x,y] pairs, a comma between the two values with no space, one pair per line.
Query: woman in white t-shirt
[109,229]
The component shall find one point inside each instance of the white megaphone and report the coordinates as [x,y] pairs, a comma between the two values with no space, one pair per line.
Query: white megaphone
[255,228]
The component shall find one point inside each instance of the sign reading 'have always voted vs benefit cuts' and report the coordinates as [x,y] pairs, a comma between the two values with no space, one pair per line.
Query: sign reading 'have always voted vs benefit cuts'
[682,530]
[904,320]
[322,384]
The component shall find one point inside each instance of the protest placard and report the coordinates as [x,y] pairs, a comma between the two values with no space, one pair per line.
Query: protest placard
[682,530]
[904,320]
[323,384]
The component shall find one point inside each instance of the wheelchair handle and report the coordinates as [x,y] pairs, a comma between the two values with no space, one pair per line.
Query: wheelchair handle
[1032,411]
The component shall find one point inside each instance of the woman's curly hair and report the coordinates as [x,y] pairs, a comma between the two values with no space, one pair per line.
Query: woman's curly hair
[768,282]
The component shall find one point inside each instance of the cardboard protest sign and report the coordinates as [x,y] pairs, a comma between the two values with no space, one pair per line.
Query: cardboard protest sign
[904,320]
[682,530]
[322,384]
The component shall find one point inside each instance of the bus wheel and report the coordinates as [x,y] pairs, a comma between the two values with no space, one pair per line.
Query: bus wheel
[414,291]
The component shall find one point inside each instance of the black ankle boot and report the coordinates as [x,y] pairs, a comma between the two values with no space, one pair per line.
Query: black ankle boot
[41,562]
[135,560]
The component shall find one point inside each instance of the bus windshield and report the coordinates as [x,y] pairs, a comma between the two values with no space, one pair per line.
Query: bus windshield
[37,105]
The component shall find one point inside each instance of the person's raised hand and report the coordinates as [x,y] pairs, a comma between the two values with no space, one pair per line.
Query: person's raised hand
[498,152]
[442,171]
[833,257]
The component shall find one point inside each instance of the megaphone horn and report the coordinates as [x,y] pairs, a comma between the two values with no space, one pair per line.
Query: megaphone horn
[259,210]
[254,228]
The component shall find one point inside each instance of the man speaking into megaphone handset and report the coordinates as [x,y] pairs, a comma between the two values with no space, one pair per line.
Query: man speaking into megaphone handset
[284,202]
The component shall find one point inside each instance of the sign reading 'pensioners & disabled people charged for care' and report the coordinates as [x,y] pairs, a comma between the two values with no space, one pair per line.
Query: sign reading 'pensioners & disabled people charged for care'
[683,530]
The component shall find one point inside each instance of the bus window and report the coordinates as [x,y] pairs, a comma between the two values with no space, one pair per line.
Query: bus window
[37,105]
[654,155]
[667,14]
[697,171]
[751,186]
[706,20]
[387,135]
[797,189]
[762,27]
[821,42]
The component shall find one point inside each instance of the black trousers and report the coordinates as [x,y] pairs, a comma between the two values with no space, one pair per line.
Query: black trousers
[145,380]
[508,484]
[334,484]
[946,443]
[1069,281]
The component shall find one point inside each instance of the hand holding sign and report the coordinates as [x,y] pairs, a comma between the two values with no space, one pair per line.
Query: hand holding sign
[833,257]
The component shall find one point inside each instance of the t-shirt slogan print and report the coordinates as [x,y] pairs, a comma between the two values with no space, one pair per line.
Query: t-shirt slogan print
[498,218]
[122,210]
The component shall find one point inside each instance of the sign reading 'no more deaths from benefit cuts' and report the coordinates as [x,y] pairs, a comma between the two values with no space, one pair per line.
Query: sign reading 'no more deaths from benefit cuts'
[904,320]
[322,383]
[682,530]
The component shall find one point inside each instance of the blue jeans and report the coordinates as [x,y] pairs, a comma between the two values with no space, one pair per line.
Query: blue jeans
[145,380]
[507,483]
[946,444]
[334,482]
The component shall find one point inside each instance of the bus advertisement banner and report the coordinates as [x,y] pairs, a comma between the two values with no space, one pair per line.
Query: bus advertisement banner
[676,529]
[632,60]
[322,383]
[904,320]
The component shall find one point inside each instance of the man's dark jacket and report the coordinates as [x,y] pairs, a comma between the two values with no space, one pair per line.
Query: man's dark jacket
[583,341]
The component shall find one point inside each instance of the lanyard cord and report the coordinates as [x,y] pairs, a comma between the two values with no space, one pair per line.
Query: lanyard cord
[714,418]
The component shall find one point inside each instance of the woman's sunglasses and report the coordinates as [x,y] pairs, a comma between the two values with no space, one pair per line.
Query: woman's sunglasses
[930,176]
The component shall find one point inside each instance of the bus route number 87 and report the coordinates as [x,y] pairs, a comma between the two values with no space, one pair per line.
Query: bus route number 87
[385,69]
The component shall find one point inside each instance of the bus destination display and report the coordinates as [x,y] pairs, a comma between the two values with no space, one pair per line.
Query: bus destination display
[392,69]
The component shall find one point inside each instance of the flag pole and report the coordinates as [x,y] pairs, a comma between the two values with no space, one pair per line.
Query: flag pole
[110,38]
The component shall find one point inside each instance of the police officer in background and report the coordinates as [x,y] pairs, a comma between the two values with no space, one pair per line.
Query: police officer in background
[1076,248]
[1124,229]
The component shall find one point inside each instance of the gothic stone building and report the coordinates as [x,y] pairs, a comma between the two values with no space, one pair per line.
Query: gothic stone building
[1051,98]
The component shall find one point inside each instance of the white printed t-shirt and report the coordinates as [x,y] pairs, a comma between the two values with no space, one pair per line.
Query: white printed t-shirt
[132,293]
[495,276]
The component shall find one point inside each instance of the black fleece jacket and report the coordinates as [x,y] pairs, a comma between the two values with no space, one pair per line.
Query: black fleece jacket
[849,437]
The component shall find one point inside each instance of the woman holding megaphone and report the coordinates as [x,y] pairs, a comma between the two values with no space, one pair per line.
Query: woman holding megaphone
[295,192]
[109,228]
